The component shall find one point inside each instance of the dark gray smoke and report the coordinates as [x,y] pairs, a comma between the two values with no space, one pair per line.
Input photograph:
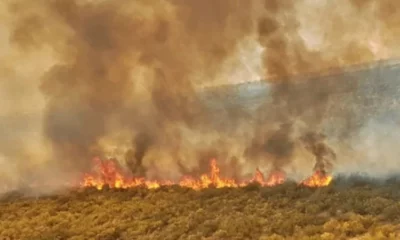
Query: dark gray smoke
[324,155]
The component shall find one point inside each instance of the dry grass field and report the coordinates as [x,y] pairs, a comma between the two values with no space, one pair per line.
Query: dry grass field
[343,210]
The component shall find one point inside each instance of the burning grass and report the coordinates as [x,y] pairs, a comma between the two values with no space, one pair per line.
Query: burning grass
[343,210]
[109,173]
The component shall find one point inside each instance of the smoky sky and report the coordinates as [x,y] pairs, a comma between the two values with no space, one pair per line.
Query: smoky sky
[127,74]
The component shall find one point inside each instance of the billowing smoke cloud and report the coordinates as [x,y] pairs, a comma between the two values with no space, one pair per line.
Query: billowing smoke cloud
[302,37]
[308,36]
[121,79]
[126,66]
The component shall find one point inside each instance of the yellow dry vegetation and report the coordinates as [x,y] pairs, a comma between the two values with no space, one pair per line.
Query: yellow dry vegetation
[284,212]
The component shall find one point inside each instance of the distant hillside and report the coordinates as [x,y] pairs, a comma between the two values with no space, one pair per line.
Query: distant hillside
[362,91]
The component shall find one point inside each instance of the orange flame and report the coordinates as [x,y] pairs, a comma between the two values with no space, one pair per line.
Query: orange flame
[275,178]
[109,173]
[318,179]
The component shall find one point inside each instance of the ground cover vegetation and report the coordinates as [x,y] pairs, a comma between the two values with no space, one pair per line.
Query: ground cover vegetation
[346,209]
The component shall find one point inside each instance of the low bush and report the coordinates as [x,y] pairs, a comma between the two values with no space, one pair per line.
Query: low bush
[283,212]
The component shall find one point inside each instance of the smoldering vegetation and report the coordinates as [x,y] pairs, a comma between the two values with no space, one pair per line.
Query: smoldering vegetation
[123,79]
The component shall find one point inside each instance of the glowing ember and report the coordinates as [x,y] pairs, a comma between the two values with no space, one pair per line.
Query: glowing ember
[318,179]
[109,173]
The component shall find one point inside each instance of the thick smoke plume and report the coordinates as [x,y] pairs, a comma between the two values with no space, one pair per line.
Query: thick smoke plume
[121,79]
[113,56]
[332,35]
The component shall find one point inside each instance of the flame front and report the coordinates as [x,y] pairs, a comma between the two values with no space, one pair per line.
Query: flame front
[318,179]
[274,178]
[109,173]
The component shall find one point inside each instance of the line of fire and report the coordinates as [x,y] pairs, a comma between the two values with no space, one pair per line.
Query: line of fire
[360,87]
